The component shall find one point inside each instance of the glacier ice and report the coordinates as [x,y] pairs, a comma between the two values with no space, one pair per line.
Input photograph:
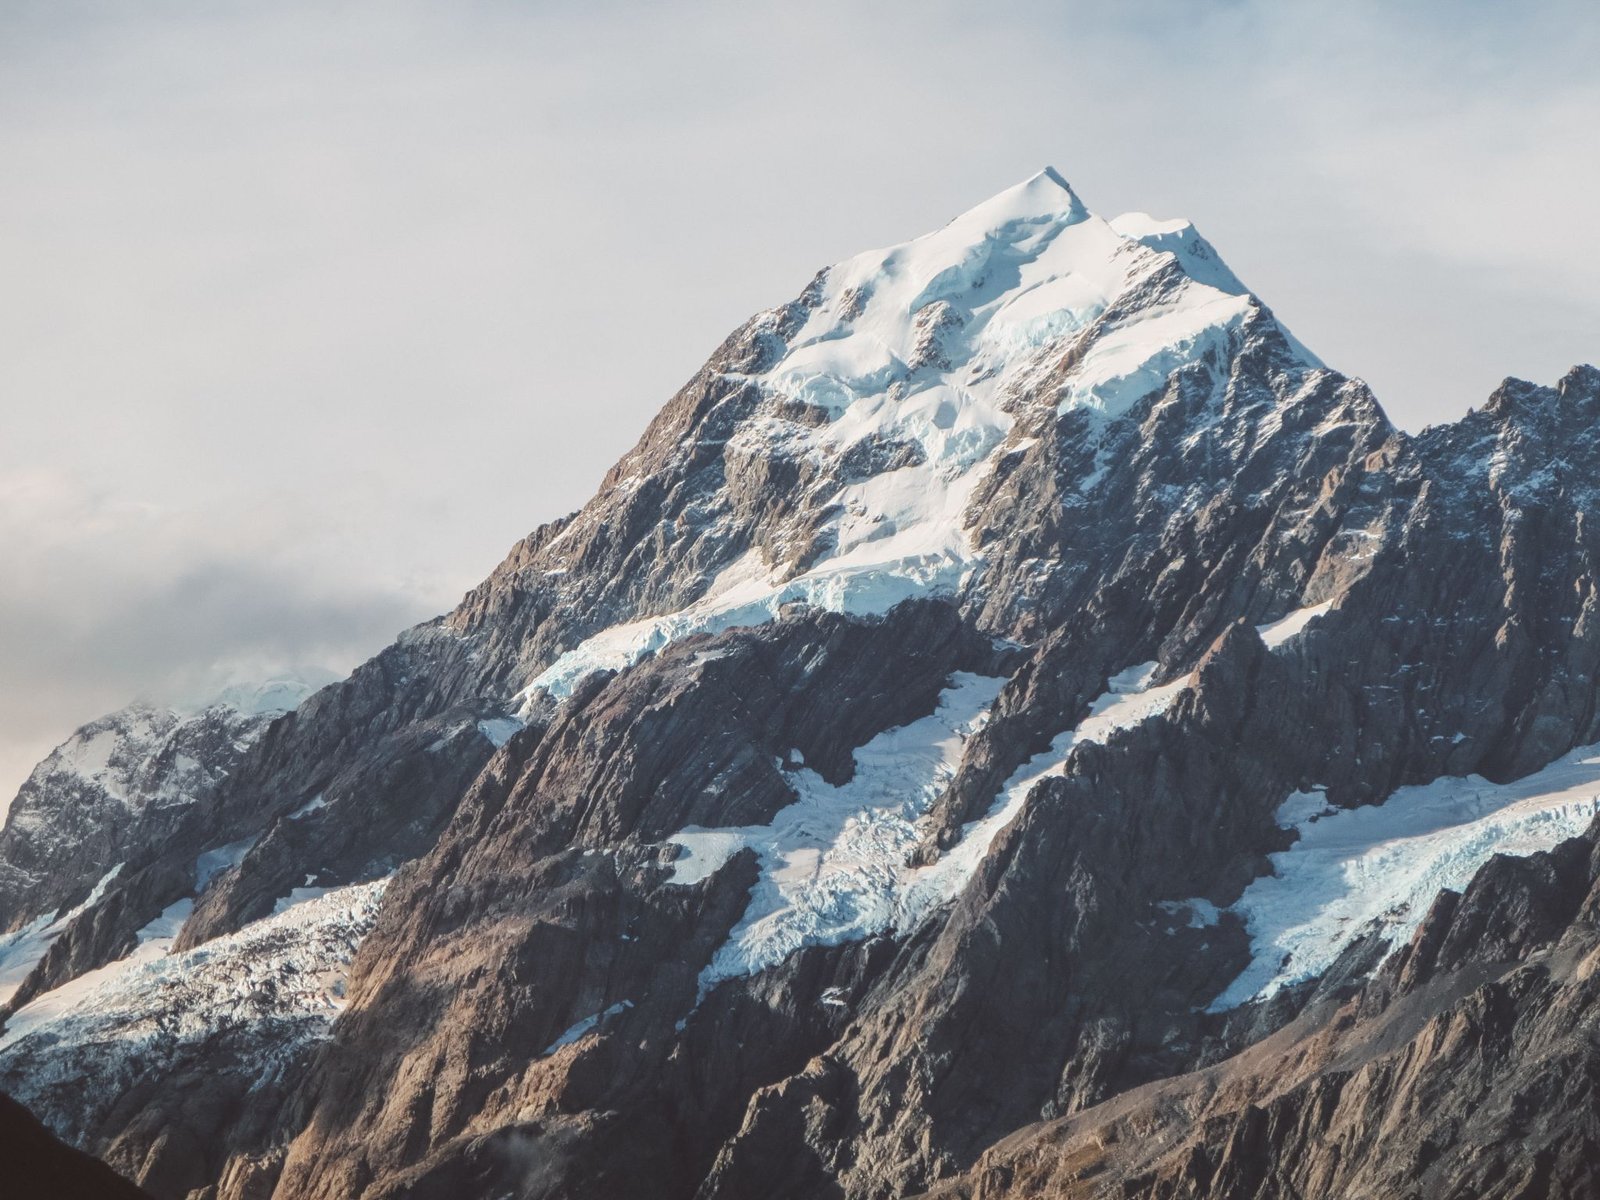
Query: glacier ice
[22,949]
[833,865]
[287,967]
[1376,869]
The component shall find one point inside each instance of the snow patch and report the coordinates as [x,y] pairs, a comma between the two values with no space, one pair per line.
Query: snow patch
[1197,913]
[1377,869]
[499,730]
[316,804]
[22,950]
[1131,699]
[163,931]
[1276,633]
[224,858]
[587,1025]
[838,588]
[90,756]
[702,852]
[1126,363]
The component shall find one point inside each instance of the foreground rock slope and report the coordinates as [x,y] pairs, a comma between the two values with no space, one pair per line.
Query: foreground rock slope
[1017,723]
[37,1165]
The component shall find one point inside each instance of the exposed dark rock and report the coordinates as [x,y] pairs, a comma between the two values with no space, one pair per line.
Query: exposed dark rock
[1475,1076]
[36,1166]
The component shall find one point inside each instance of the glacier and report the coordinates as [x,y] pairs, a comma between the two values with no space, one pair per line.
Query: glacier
[1374,871]
[833,865]
[280,980]
[22,949]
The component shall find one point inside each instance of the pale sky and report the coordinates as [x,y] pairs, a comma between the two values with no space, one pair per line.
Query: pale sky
[308,310]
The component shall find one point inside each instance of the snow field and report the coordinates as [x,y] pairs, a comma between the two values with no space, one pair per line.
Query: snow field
[1377,869]
[833,864]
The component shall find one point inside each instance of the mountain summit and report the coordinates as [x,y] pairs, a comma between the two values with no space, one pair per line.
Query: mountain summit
[1016,723]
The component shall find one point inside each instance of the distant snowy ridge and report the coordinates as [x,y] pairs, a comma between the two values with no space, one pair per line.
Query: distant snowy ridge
[117,750]
[121,782]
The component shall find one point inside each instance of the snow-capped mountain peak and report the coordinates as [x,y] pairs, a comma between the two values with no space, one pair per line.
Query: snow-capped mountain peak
[1042,197]
[1008,675]
[982,302]
[906,374]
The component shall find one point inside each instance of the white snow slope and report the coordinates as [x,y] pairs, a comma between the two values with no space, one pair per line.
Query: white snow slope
[266,991]
[21,950]
[928,343]
[833,864]
[1377,869]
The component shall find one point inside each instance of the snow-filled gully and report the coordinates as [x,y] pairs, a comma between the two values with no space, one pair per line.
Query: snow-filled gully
[833,864]
[1376,869]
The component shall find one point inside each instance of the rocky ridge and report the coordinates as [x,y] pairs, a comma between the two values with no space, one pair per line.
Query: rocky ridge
[889,759]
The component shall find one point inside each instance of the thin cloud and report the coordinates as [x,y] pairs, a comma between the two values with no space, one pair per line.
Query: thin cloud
[106,601]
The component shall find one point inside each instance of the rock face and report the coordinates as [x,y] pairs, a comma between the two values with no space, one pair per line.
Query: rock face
[1466,1067]
[36,1164]
[1016,722]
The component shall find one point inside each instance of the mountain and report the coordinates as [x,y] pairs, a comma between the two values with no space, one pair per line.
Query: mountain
[1016,721]
[116,790]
